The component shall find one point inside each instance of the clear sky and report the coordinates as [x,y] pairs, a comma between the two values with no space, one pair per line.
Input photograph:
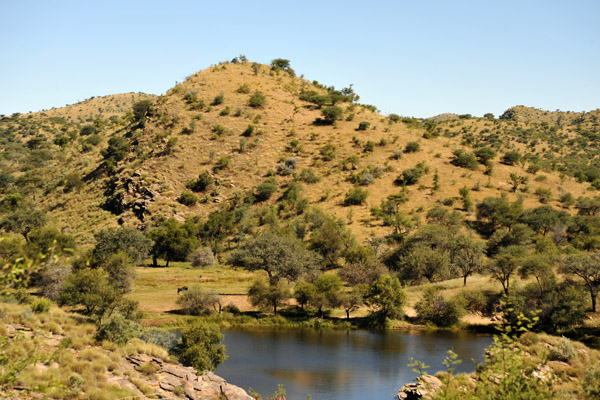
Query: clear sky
[414,58]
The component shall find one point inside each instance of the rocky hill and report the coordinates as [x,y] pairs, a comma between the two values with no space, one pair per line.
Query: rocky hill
[243,123]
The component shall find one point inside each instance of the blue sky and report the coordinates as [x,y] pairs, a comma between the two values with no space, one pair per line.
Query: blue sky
[413,58]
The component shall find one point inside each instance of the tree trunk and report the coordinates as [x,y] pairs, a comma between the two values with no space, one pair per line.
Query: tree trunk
[465,280]
[154,261]
[167,265]
[347,314]
[594,301]
[275,309]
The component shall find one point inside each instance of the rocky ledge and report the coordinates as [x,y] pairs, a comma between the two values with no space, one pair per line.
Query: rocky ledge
[174,381]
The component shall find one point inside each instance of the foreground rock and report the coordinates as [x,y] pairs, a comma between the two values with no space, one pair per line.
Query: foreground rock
[174,381]
[424,388]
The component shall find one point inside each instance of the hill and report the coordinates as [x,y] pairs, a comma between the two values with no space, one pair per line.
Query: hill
[207,121]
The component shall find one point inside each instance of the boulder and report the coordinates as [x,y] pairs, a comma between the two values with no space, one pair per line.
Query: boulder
[424,388]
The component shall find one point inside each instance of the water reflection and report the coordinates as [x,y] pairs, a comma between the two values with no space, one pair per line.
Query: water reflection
[338,364]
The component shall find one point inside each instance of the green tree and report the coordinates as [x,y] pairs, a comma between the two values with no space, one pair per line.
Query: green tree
[464,159]
[265,296]
[23,221]
[280,256]
[331,114]
[468,256]
[257,100]
[127,240]
[387,297]
[201,346]
[505,264]
[171,242]
[120,270]
[118,147]
[48,239]
[585,266]
[328,292]
[432,307]
[485,155]
[90,288]
[142,110]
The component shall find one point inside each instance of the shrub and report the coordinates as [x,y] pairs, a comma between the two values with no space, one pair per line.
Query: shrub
[201,346]
[218,129]
[544,195]
[52,276]
[396,155]
[464,159]
[257,100]
[222,163]
[511,157]
[118,329]
[412,147]
[369,146]
[87,130]
[331,114]
[327,152]
[198,301]
[191,96]
[394,118]
[218,99]
[356,196]
[308,176]
[564,350]
[244,89]
[40,305]
[485,155]
[288,166]
[411,176]
[249,131]
[435,309]
[366,178]
[187,198]
[200,184]
[202,257]
[265,190]
[363,126]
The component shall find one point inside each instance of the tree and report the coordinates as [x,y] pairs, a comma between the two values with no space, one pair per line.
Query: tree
[511,157]
[499,211]
[280,256]
[201,346]
[23,221]
[304,292]
[118,147]
[330,239]
[587,267]
[354,299]
[356,196]
[91,289]
[141,110]
[505,264]
[331,114]
[328,292]
[464,159]
[202,257]
[542,219]
[197,301]
[432,307]
[171,242]
[422,261]
[387,297]
[257,100]
[127,240]
[468,256]
[485,155]
[266,296]
[47,239]
[120,270]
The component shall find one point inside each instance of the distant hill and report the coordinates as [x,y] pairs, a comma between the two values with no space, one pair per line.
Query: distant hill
[208,124]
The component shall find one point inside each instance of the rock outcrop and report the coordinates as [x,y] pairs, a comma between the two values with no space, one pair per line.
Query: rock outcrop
[424,388]
[174,381]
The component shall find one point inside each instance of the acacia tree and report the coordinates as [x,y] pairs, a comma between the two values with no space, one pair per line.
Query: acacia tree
[387,296]
[468,256]
[587,267]
[171,242]
[280,256]
[505,264]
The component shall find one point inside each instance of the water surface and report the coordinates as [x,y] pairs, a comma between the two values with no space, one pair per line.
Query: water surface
[332,365]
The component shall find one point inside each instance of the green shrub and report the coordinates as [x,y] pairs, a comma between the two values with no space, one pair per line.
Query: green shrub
[511,157]
[187,198]
[257,100]
[369,146]
[265,190]
[218,99]
[244,89]
[331,114]
[412,147]
[218,129]
[564,351]
[356,196]
[363,126]
[87,130]
[200,184]
[464,159]
[433,308]
[288,166]
[308,176]
[249,131]
[222,163]
[198,301]
[41,305]
[118,329]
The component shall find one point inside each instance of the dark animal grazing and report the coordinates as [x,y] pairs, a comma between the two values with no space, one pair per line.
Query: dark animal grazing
[181,289]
